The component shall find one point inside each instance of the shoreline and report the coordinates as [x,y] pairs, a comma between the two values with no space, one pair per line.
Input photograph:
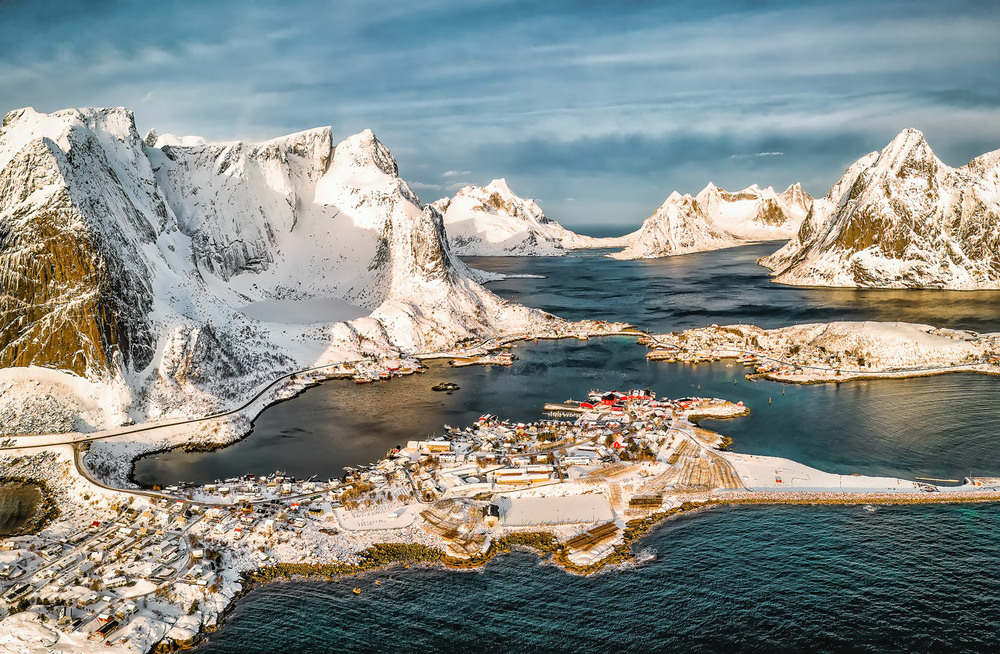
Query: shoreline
[676,449]
[837,352]
[544,546]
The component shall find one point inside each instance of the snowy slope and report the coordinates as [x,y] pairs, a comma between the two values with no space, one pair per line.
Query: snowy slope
[165,271]
[716,219]
[900,218]
[492,220]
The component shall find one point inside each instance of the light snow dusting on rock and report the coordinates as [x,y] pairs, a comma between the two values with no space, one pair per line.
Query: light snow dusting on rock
[900,218]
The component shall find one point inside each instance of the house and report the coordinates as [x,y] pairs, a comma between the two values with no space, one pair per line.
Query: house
[107,629]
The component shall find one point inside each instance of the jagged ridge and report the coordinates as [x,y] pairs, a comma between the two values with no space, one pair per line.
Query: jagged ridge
[900,218]
[492,220]
[130,261]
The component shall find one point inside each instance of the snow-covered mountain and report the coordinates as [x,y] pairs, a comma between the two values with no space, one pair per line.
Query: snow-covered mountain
[900,218]
[492,220]
[179,274]
[716,219]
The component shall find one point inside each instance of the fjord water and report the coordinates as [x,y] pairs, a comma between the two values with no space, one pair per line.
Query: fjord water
[751,579]
[733,579]
[938,426]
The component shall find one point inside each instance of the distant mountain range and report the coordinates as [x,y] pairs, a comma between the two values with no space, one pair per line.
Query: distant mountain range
[716,219]
[493,221]
[162,276]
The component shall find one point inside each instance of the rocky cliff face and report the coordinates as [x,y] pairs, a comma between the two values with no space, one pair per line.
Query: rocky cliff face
[75,294]
[716,219]
[900,218]
[492,220]
[136,263]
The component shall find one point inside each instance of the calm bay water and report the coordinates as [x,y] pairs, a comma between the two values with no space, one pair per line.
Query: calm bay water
[734,579]
[727,286]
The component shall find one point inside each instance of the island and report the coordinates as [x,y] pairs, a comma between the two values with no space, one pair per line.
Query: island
[154,570]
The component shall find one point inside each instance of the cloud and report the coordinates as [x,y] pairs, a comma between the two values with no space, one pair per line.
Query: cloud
[421,185]
[603,102]
[570,200]
[755,156]
[454,186]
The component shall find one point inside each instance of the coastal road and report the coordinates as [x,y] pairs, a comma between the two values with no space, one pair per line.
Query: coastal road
[82,470]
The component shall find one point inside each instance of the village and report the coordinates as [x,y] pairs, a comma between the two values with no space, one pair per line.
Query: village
[168,562]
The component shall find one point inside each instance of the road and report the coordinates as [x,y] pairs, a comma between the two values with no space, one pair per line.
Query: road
[76,439]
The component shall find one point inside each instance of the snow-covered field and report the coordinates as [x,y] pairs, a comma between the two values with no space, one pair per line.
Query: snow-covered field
[304,312]
[839,351]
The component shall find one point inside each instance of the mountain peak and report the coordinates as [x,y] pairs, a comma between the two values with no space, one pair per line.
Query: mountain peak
[500,186]
[364,150]
[908,146]
[900,218]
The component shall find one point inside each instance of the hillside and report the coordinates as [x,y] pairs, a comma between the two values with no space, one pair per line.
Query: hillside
[492,220]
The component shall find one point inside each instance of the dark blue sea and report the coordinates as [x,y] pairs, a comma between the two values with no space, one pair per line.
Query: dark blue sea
[912,578]
[736,579]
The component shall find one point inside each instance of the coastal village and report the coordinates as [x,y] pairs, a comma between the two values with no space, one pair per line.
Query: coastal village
[163,566]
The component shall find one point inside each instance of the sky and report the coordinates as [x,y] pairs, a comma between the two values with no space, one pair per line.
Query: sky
[597,109]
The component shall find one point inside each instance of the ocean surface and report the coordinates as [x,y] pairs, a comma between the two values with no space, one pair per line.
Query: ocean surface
[786,578]
[735,579]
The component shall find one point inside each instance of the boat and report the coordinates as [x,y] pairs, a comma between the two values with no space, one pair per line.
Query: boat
[357,591]
[445,386]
